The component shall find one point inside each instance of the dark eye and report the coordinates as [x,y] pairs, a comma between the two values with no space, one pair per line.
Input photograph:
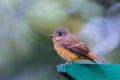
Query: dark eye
[60,34]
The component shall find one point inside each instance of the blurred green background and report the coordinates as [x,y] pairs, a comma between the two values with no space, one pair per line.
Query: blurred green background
[26,51]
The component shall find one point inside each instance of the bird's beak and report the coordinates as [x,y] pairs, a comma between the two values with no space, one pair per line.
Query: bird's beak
[51,36]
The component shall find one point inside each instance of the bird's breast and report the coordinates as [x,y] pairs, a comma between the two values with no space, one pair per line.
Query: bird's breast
[65,53]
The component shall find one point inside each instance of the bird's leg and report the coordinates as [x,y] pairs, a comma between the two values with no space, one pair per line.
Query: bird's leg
[69,62]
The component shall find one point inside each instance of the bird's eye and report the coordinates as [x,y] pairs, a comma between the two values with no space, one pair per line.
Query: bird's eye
[60,34]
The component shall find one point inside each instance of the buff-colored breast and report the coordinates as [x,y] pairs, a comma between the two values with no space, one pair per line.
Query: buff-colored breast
[65,53]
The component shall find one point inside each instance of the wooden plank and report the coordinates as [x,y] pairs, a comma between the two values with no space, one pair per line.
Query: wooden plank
[90,71]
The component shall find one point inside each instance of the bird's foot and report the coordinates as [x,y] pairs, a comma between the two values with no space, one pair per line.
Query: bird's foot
[69,62]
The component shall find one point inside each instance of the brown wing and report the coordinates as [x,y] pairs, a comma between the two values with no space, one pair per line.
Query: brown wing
[76,46]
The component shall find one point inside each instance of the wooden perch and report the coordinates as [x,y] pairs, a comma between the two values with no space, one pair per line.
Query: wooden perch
[90,71]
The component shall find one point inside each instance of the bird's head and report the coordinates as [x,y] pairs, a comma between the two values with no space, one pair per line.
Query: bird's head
[59,34]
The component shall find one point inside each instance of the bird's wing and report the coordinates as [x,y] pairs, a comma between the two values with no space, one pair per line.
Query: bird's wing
[77,47]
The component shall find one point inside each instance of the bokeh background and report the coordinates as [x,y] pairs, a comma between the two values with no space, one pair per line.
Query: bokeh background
[26,51]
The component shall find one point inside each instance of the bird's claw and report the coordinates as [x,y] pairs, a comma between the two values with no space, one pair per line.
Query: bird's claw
[69,62]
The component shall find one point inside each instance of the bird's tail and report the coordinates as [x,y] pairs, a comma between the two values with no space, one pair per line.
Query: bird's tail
[91,55]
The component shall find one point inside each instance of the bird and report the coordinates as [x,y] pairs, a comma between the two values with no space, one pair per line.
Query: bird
[70,48]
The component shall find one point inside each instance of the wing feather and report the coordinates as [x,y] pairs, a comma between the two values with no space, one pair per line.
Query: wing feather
[76,46]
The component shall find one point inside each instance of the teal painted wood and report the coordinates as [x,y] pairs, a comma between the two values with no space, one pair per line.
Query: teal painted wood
[90,71]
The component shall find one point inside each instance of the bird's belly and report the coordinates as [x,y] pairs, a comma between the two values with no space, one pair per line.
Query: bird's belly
[66,54]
